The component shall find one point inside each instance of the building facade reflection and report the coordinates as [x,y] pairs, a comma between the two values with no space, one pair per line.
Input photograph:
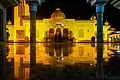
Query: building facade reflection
[52,54]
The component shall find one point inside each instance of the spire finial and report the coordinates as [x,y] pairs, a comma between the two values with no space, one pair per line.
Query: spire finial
[9,22]
[106,23]
[57,9]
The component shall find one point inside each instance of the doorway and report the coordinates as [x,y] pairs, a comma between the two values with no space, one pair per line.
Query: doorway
[58,35]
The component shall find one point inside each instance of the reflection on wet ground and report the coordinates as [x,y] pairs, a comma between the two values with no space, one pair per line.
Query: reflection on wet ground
[61,61]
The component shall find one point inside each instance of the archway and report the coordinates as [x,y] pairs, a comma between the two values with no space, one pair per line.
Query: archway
[65,33]
[51,33]
[58,35]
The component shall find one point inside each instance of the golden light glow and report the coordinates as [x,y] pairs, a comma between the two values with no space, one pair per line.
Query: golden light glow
[81,53]
[86,27]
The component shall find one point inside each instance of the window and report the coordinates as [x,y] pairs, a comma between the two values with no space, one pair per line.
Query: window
[81,33]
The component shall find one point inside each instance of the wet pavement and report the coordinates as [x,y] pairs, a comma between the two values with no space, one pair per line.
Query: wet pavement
[60,61]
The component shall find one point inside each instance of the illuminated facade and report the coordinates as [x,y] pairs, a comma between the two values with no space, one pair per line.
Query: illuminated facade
[80,30]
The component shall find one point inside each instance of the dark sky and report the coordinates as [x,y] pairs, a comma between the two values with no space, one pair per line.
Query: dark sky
[75,8]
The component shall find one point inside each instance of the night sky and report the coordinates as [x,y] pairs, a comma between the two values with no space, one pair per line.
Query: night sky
[75,9]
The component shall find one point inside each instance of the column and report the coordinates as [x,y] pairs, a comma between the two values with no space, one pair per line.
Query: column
[33,10]
[99,12]
[2,41]
[99,65]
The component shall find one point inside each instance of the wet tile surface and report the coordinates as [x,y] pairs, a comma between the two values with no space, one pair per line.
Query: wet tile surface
[60,61]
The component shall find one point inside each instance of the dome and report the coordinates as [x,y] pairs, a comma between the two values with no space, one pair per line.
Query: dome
[58,14]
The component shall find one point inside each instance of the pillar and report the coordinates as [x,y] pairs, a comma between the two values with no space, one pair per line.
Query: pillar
[2,41]
[99,12]
[33,10]
[99,65]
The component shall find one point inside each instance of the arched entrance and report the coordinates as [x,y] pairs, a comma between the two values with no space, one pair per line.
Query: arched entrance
[51,33]
[65,33]
[58,35]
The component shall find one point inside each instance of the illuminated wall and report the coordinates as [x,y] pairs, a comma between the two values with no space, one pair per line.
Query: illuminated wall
[82,30]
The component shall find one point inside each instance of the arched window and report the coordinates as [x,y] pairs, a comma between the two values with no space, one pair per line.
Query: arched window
[81,33]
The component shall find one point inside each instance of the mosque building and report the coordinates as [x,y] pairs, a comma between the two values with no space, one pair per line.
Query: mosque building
[46,29]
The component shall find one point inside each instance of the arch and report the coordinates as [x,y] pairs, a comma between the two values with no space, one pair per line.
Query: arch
[65,32]
[51,30]
[58,35]
[51,33]
[58,30]
[59,25]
